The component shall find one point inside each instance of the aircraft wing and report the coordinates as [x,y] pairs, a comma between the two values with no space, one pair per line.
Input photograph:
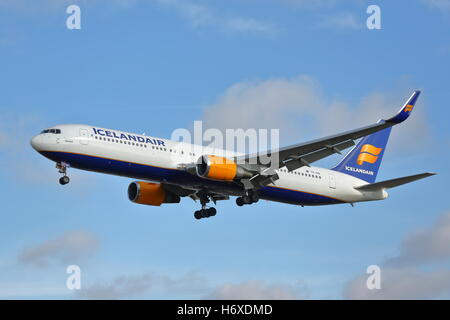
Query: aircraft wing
[302,154]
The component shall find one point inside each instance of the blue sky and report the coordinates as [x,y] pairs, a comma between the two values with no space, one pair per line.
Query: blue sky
[154,66]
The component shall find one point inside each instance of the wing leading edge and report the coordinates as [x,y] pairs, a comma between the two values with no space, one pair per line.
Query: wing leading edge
[301,154]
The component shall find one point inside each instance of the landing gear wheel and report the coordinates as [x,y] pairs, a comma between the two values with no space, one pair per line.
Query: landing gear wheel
[239,201]
[62,168]
[205,213]
[64,180]
[212,212]
[247,199]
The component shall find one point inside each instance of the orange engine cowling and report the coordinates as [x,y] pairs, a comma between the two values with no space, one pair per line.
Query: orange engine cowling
[152,194]
[220,168]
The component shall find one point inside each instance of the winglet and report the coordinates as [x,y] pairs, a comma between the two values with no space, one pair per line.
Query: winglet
[404,112]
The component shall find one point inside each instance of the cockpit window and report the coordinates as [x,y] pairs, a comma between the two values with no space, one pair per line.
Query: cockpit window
[54,131]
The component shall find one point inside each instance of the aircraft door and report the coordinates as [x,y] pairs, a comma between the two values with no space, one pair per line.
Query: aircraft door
[332,181]
[84,136]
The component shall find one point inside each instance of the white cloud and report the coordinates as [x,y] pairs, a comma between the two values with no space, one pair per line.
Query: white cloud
[30,290]
[67,248]
[402,283]
[58,4]
[248,25]
[426,245]
[129,286]
[443,5]
[191,284]
[300,109]
[264,104]
[258,290]
[120,287]
[311,3]
[400,276]
[197,15]
[203,16]
[339,21]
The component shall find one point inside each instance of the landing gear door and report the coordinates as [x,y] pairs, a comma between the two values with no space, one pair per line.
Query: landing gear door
[332,181]
[83,136]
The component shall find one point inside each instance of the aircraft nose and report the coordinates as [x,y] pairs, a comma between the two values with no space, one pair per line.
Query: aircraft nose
[36,142]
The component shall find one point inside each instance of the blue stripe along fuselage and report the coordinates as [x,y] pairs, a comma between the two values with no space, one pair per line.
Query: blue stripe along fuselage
[153,173]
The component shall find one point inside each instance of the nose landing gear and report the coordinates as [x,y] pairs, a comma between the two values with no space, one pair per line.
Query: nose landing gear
[62,168]
[64,180]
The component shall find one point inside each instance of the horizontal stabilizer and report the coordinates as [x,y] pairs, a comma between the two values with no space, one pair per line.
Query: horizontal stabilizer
[393,182]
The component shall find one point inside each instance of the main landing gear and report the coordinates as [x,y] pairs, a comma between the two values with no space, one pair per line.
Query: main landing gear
[62,168]
[249,198]
[204,212]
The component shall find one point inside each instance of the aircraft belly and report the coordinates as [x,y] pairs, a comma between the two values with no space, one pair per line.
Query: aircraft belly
[147,166]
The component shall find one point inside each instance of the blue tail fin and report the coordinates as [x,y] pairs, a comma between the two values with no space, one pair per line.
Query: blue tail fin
[364,160]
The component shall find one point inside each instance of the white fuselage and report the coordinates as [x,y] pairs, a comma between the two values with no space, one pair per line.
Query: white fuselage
[155,159]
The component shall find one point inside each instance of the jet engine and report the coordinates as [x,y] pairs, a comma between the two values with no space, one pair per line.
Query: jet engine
[152,194]
[220,168]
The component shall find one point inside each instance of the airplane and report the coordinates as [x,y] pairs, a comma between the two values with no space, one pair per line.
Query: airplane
[168,170]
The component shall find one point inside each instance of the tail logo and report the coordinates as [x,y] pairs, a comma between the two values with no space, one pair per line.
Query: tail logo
[369,154]
[409,108]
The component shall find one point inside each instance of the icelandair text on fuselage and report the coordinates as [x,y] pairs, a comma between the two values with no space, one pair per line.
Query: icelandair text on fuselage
[128,137]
